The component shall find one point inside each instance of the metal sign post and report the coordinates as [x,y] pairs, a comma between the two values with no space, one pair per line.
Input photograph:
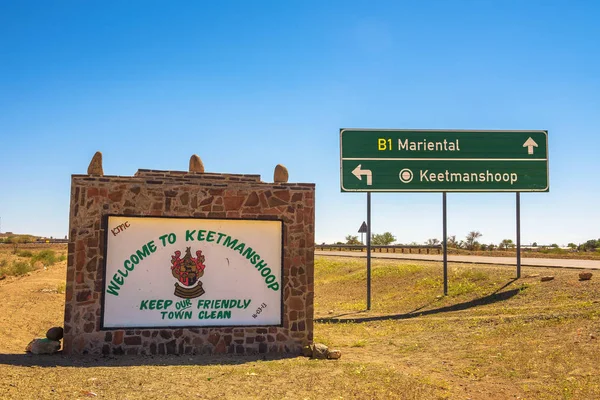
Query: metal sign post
[368,250]
[445,241]
[518,235]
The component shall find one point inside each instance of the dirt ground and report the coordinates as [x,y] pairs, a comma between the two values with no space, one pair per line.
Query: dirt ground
[491,338]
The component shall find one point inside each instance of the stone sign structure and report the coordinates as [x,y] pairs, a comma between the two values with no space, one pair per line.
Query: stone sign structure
[195,196]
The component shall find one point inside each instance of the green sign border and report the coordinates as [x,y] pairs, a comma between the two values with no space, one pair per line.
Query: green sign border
[546,159]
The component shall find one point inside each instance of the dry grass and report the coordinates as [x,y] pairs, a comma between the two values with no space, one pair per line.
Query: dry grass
[528,253]
[491,338]
[29,258]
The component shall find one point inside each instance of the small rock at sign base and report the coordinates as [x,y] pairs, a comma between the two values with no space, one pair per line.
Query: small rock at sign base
[319,351]
[334,354]
[43,346]
[55,333]
[546,278]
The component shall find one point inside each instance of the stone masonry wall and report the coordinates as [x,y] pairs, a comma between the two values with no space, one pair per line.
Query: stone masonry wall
[186,194]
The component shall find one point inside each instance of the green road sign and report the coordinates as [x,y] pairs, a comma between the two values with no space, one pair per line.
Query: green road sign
[443,161]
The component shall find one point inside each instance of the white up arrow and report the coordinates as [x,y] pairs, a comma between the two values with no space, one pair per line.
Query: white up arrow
[530,144]
[360,172]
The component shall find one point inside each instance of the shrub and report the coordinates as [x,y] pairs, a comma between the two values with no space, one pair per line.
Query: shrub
[21,268]
[25,253]
[47,257]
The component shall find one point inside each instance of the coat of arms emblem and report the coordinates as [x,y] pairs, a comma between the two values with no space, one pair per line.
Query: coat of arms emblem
[188,271]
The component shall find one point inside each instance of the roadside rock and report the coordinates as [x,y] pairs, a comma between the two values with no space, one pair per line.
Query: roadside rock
[56,333]
[585,276]
[319,351]
[43,346]
[334,354]
[547,278]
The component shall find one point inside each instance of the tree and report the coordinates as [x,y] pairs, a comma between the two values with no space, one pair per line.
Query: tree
[534,244]
[353,240]
[491,247]
[16,241]
[451,241]
[506,244]
[384,239]
[572,246]
[591,245]
[471,239]
[432,242]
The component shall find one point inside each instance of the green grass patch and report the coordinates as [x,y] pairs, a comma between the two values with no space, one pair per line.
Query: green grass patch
[396,271]
[24,253]
[21,268]
[47,257]
[359,343]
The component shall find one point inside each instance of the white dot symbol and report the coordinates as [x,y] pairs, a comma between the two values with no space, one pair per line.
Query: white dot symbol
[405,175]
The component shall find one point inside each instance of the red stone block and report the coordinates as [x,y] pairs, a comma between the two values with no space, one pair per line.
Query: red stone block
[221,348]
[252,200]
[117,338]
[296,303]
[233,203]
[296,197]
[116,196]
[213,338]
[133,340]
[282,195]
[69,293]
[79,260]
[83,295]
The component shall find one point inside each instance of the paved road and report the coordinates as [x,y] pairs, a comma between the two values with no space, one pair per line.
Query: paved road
[526,262]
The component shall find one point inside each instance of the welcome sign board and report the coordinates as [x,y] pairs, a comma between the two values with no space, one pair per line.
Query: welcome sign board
[190,272]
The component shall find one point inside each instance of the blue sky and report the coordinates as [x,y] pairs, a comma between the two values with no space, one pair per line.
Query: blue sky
[248,85]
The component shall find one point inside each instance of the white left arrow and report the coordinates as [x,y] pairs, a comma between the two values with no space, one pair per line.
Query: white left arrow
[530,144]
[360,172]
